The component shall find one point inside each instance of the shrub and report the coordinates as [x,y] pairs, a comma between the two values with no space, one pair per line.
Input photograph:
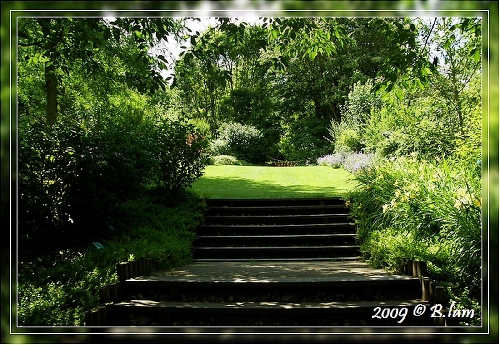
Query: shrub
[416,123]
[245,142]
[305,140]
[219,147]
[423,210]
[347,135]
[355,162]
[226,160]
[56,289]
[70,179]
[181,155]
[335,160]
[348,140]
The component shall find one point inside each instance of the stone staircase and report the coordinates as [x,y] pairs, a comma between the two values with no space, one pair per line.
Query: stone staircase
[276,229]
[289,262]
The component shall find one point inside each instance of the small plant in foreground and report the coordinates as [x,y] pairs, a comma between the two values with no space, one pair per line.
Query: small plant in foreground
[58,290]
[423,210]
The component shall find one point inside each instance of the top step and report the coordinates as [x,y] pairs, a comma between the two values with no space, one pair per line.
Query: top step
[275,202]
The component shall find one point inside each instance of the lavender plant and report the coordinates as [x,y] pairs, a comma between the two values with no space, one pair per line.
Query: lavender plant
[355,162]
[335,160]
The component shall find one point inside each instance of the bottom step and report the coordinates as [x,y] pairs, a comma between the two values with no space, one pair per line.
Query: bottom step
[344,258]
[147,313]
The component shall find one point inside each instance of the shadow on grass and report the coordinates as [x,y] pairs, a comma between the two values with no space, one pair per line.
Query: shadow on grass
[242,188]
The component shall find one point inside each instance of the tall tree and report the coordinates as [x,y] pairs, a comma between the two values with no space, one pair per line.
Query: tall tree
[457,54]
[60,43]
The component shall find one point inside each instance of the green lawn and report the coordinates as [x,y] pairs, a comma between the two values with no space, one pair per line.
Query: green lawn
[255,182]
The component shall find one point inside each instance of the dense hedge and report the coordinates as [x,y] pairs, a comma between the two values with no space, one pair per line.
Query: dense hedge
[71,179]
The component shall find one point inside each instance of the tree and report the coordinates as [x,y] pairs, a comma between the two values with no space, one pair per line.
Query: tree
[458,58]
[61,43]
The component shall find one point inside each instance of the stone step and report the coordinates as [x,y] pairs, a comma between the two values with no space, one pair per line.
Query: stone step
[277,210]
[149,312]
[287,293]
[338,259]
[267,229]
[275,251]
[270,240]
[276,219]
[274,202]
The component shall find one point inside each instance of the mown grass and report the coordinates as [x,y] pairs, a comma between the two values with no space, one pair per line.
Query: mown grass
[256,182]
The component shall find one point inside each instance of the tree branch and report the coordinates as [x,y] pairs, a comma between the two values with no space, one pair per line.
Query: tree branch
[427,38]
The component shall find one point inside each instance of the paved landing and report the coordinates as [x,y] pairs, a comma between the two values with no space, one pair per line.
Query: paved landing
[274,271]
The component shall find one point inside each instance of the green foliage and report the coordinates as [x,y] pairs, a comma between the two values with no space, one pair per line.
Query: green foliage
[226,160]
[220,147]
[244,141]
[348,140]
[61,45]
[70,179]
[57,289]
[347,135]
[181,154]
[423,210]
[304,140]
[405,126]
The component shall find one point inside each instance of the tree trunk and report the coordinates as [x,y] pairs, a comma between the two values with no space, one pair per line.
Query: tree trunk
[51,90]
[53,32]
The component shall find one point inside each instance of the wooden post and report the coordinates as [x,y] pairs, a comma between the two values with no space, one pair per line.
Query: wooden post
[421,268]
[130,270]
[414,269]
[97,317]
[103,315]
[139,267]
[113,292]
[439,294]
[425,288]
[149,265]
[409,267]
[122,271]
[104,295]
[134,268]
[142,262]
[432,288]
[440,321]
[438,299]
[404,268]
[89,319]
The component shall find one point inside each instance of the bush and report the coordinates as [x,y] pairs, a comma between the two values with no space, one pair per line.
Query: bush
[305,140]
[355,162]
[57,289]
[347,135]
[245,142]
[335,160]
[219,147]
[70,179]
[181,155]
[402,127]
[226,160]
[348,140]
[423,210]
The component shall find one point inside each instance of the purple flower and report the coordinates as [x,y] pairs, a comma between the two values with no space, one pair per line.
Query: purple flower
[357,161]
[334,160]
